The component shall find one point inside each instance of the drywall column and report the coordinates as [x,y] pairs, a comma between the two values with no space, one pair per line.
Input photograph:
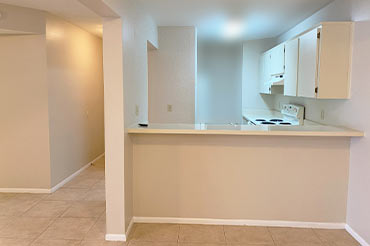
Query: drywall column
[172,76]
[114,128]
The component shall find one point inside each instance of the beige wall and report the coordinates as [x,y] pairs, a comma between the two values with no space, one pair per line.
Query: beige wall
[76,99]
[233,177]
[18,19]
[24,126]
[52,99]
[350,113]
[219,85]
[172,76]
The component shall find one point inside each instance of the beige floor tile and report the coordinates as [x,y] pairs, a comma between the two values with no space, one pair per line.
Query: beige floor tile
[95,195]
[66,194]
[85,209]
[100,185]
[300,244]
[335,236]
[137,243]
[248,244]
[283,235]
[68,228]
[93,173]
[97,232]
[5,220]
[15,242]
[48,209]
[81,182]
[342,243]
[5,196]
[102,243]
[208,244]
[25,227]
[201,234]
[155,232]
[247,234]
[29,196]
[43,242]
[15,207]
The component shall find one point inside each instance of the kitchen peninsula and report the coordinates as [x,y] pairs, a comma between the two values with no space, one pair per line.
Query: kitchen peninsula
[241,174]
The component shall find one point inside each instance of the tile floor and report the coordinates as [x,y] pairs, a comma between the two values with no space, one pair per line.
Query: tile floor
[75,215]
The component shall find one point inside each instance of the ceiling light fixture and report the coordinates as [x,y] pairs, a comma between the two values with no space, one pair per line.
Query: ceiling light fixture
[233,30]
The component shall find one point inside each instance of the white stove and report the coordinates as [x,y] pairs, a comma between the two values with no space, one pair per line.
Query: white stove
[291,115]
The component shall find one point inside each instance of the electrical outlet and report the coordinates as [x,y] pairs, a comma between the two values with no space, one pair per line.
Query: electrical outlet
[322,116]
[169,108]
[137,110]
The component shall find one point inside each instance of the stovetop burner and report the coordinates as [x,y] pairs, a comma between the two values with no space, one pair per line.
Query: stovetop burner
[285,123]
[276,120]
[268,123]
[260,120]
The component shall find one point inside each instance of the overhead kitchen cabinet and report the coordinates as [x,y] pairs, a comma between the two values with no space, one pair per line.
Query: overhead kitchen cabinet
[265,73]
[272,67]
[278,60]
[324,63]
[291,67]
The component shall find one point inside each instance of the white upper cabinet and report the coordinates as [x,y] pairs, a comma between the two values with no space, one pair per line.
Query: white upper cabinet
[291,68]
[278,60]
[315,64]
[325,61]
[265,73]
[308,63]
[272,63]
[335,56]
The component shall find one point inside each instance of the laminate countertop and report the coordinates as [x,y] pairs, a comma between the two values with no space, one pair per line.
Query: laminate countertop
[308,130]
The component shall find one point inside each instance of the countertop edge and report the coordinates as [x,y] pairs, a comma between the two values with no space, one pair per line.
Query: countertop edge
[349,133]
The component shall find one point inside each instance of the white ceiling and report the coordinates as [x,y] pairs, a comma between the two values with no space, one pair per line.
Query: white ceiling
[260,18]
[71,10]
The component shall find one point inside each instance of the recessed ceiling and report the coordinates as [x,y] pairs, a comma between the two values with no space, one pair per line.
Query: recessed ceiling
[71,10]
[259,18]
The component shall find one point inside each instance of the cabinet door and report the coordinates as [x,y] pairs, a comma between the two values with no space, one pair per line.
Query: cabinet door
[265,64]
[291,68]
[307,67]
[278,60]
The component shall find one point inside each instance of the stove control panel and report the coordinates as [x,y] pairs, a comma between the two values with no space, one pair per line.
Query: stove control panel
[293,111]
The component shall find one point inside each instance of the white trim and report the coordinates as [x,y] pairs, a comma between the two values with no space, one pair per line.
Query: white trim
[120,237]
[356,236]
[276,223]
[129,228]
[53,189]
[23,190]
[72,176]
[115,237]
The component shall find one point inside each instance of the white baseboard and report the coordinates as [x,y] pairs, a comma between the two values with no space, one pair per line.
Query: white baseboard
[268,223]
[129,228]
[120,237]
[115,237]
[356,236]
[53,189]
[69,178]
[23,190]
